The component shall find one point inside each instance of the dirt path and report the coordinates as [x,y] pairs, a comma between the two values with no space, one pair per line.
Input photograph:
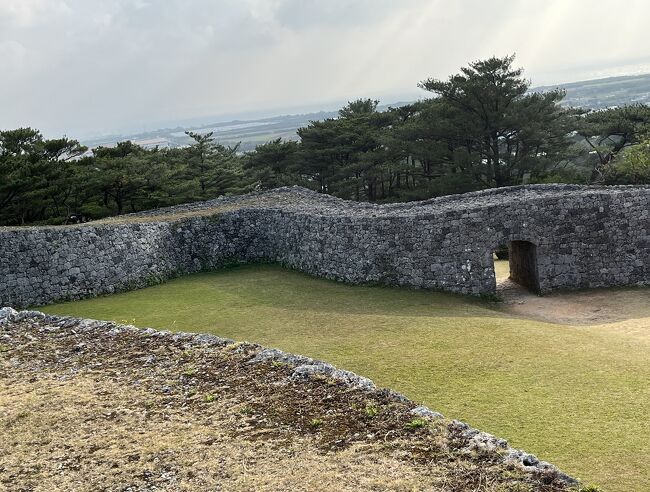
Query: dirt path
[578,308]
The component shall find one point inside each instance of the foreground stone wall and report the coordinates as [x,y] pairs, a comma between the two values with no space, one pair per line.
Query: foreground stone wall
[581,237]
[69,338]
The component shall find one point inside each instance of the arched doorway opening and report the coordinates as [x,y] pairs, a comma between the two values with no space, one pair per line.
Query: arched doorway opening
[523,264]
[517,261]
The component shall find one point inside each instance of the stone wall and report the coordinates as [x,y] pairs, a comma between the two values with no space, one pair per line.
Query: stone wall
[583,237]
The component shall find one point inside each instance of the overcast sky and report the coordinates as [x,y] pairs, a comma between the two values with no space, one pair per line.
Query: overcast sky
[84,67]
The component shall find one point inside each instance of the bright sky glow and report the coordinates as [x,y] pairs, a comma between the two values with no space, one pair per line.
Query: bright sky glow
[84,67]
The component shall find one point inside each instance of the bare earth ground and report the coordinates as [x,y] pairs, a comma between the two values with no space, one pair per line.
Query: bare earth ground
[575,308]
[100,407]
[582,308]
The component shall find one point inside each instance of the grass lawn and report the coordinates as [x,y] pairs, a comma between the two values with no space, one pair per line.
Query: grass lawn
[578,397]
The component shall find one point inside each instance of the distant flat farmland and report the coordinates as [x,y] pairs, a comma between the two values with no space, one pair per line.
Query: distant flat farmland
[589,94]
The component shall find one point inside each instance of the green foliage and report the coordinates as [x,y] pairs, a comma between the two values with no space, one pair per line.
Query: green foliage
[345,156]
[633,167]
[416,423]
[36,178]
[317,422]
[567,174]
[213,168]
[273,164]
[609,132]
[504,133]
[50,181]
[247,410]
[502,252]
[482,128]
[590,488]
[371,410]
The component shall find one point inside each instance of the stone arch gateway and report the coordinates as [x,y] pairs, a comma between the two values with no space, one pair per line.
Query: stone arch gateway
[523,264]
[583,237]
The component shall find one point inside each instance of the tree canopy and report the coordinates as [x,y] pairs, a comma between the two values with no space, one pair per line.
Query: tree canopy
[482,127]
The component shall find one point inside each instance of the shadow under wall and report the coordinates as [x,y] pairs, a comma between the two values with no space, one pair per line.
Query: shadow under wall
[523,264]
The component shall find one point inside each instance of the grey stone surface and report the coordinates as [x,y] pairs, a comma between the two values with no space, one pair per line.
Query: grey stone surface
[422,411]
[584,236]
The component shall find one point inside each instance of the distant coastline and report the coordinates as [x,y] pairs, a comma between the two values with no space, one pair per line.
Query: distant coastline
[589,94]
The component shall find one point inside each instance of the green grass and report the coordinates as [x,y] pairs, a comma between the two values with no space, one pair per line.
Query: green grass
[576,396]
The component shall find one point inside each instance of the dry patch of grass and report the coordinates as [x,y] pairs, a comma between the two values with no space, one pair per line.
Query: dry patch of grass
[85,408]
[202,209]
[86,434]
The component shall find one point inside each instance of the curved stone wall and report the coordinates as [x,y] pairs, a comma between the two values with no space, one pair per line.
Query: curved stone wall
[572,236]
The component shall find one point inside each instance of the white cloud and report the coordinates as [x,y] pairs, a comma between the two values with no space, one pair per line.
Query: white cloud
[27,13]
[85,65]
[12,53]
